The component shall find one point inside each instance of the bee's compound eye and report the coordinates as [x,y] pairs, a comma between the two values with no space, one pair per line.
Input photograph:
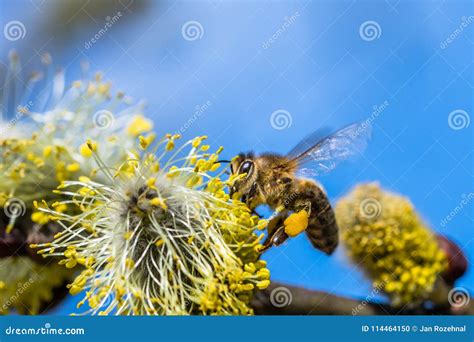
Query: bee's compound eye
[246,167]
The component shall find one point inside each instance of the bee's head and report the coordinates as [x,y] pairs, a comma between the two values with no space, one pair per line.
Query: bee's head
[243,164]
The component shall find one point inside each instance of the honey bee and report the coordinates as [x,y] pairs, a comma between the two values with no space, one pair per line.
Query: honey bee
[283,183]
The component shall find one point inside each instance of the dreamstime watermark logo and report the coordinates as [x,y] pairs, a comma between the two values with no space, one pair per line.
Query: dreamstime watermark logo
[103,119]
[192,30]
[289,199]
[370,208]
[378,109]
[281,119]
[465,22]
[14,207]
[14,297]
[368,298]
[367,123]
[109,22]
[370,30]
[198,111]
[14,30]
[20,112]
[466,199]
[281,297]
[287,22]
[459,297]
[459,119]
[47,329]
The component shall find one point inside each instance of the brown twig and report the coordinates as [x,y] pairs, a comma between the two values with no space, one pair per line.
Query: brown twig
[309,302]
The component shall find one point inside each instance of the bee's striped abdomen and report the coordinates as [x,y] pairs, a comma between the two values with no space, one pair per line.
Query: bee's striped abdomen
[322,228]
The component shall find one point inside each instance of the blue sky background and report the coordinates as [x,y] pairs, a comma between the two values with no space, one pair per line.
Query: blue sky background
[320,69]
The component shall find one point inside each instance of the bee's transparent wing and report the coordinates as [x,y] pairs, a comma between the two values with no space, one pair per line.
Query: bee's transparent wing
[315,155]
[309,141]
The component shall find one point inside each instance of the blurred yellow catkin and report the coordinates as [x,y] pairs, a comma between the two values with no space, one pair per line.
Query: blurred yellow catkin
[384,235]
[43,126]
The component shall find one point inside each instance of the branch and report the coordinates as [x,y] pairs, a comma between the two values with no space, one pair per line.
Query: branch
[309,302]
[17,242]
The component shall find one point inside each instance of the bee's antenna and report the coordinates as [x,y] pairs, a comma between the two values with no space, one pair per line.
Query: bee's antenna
[225,161]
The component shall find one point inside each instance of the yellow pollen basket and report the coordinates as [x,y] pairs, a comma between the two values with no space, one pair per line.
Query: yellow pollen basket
[296,223]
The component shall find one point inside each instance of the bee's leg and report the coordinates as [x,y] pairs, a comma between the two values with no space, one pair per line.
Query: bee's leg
[275,239]
[264,247]
[288,225]
[273,225]
[248,197]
